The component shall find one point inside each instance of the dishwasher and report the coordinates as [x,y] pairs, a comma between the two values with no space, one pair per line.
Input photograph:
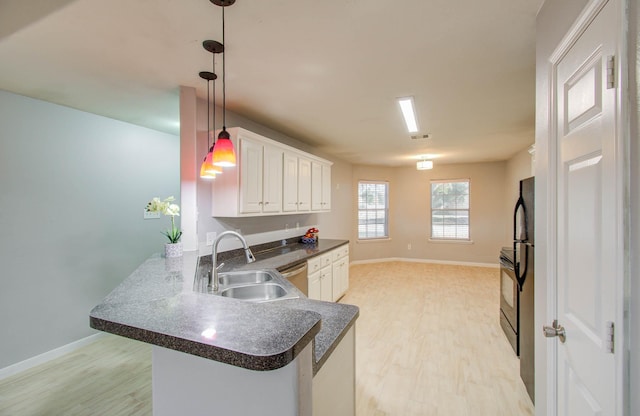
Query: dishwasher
[297,275]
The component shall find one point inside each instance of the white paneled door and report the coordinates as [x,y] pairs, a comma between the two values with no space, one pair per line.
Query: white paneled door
[589,242]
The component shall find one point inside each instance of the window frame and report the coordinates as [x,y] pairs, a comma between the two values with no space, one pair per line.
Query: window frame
[386,235]
[443,238]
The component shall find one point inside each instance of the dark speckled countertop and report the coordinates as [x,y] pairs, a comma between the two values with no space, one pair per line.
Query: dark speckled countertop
[157,304]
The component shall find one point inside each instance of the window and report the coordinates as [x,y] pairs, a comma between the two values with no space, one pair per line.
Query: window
[373,210]
[450,209]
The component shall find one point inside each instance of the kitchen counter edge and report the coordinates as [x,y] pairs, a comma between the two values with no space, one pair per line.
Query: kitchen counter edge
[156,304]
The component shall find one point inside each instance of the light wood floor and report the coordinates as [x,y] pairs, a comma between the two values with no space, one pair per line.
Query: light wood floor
[428,342]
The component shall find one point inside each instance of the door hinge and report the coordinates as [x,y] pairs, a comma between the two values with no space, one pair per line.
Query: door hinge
[611,72]
[609,338]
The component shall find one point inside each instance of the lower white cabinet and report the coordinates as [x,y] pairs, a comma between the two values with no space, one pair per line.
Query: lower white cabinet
[340,278]
[329,275]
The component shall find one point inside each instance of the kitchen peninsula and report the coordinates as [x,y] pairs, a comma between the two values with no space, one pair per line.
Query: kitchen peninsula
[214,355]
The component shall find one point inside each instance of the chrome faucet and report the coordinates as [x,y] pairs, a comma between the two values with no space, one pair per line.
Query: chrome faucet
[213,276]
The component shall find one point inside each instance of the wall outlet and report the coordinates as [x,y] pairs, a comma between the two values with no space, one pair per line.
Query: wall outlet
[211,237]
[409,246]
[150,215]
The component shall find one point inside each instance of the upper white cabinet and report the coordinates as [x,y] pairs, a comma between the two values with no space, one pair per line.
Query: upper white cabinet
[270,178]
[320,186]
[260,177]
[304,184]
[296,188]
[290,183]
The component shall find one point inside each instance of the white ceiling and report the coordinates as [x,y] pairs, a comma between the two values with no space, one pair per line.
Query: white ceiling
[324,72]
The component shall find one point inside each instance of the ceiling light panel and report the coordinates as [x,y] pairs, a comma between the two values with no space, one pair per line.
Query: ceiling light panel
[409,113]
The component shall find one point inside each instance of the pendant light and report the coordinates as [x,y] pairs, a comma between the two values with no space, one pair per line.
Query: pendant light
[223,152]
[208,170]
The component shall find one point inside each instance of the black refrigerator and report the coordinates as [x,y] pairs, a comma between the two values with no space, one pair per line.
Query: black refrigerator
[524,257]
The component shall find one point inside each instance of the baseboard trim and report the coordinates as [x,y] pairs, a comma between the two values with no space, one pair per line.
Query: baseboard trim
[48,356]
[410,260]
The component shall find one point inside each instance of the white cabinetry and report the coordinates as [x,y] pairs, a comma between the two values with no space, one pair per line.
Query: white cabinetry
[320,186]
[304,184]
[328,275]
[296,184]
[270,179]
[340,272]
[260,177]
[290,183]
[320,277]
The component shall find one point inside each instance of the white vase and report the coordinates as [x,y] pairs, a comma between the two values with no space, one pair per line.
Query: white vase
[173,250]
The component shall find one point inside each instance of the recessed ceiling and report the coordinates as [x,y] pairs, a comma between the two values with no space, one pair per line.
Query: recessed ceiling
[327,73]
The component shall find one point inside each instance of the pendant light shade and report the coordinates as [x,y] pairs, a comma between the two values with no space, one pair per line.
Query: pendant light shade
[223,152]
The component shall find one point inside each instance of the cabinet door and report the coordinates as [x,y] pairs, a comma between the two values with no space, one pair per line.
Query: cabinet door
[304,184]
[326,187]
[336,279]
[250,176]
[290,183]
[315,291]
[272,179]
[316,186]
[326,284]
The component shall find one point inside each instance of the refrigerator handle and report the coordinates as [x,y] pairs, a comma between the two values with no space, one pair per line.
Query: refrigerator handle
[521,272]
[520,228]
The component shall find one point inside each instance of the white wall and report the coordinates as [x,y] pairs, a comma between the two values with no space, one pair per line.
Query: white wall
[73,187]
[410,213]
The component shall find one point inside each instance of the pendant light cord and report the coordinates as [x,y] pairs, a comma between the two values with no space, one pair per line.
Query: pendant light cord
[207,116]
[224,77]
[213,70]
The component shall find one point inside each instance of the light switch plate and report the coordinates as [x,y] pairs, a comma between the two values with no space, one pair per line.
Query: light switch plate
[211,237]
[150,215]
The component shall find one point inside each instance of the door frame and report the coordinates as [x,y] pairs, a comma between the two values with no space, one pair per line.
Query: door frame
[548,202]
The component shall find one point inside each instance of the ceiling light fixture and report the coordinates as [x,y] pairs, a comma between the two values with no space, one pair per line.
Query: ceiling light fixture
[223,152]
[424,164]
[409,113]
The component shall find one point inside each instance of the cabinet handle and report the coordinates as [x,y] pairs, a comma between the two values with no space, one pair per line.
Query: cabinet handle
[266,203]
[260,203]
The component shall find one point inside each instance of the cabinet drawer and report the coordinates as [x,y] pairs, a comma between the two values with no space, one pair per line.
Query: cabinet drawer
[326,260]
[340,252]
[314,264]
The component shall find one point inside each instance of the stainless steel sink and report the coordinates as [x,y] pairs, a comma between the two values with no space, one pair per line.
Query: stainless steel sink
[256,293]
[252,285]
[244,277]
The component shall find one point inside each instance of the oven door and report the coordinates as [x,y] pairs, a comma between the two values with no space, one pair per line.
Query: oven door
[509,298]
